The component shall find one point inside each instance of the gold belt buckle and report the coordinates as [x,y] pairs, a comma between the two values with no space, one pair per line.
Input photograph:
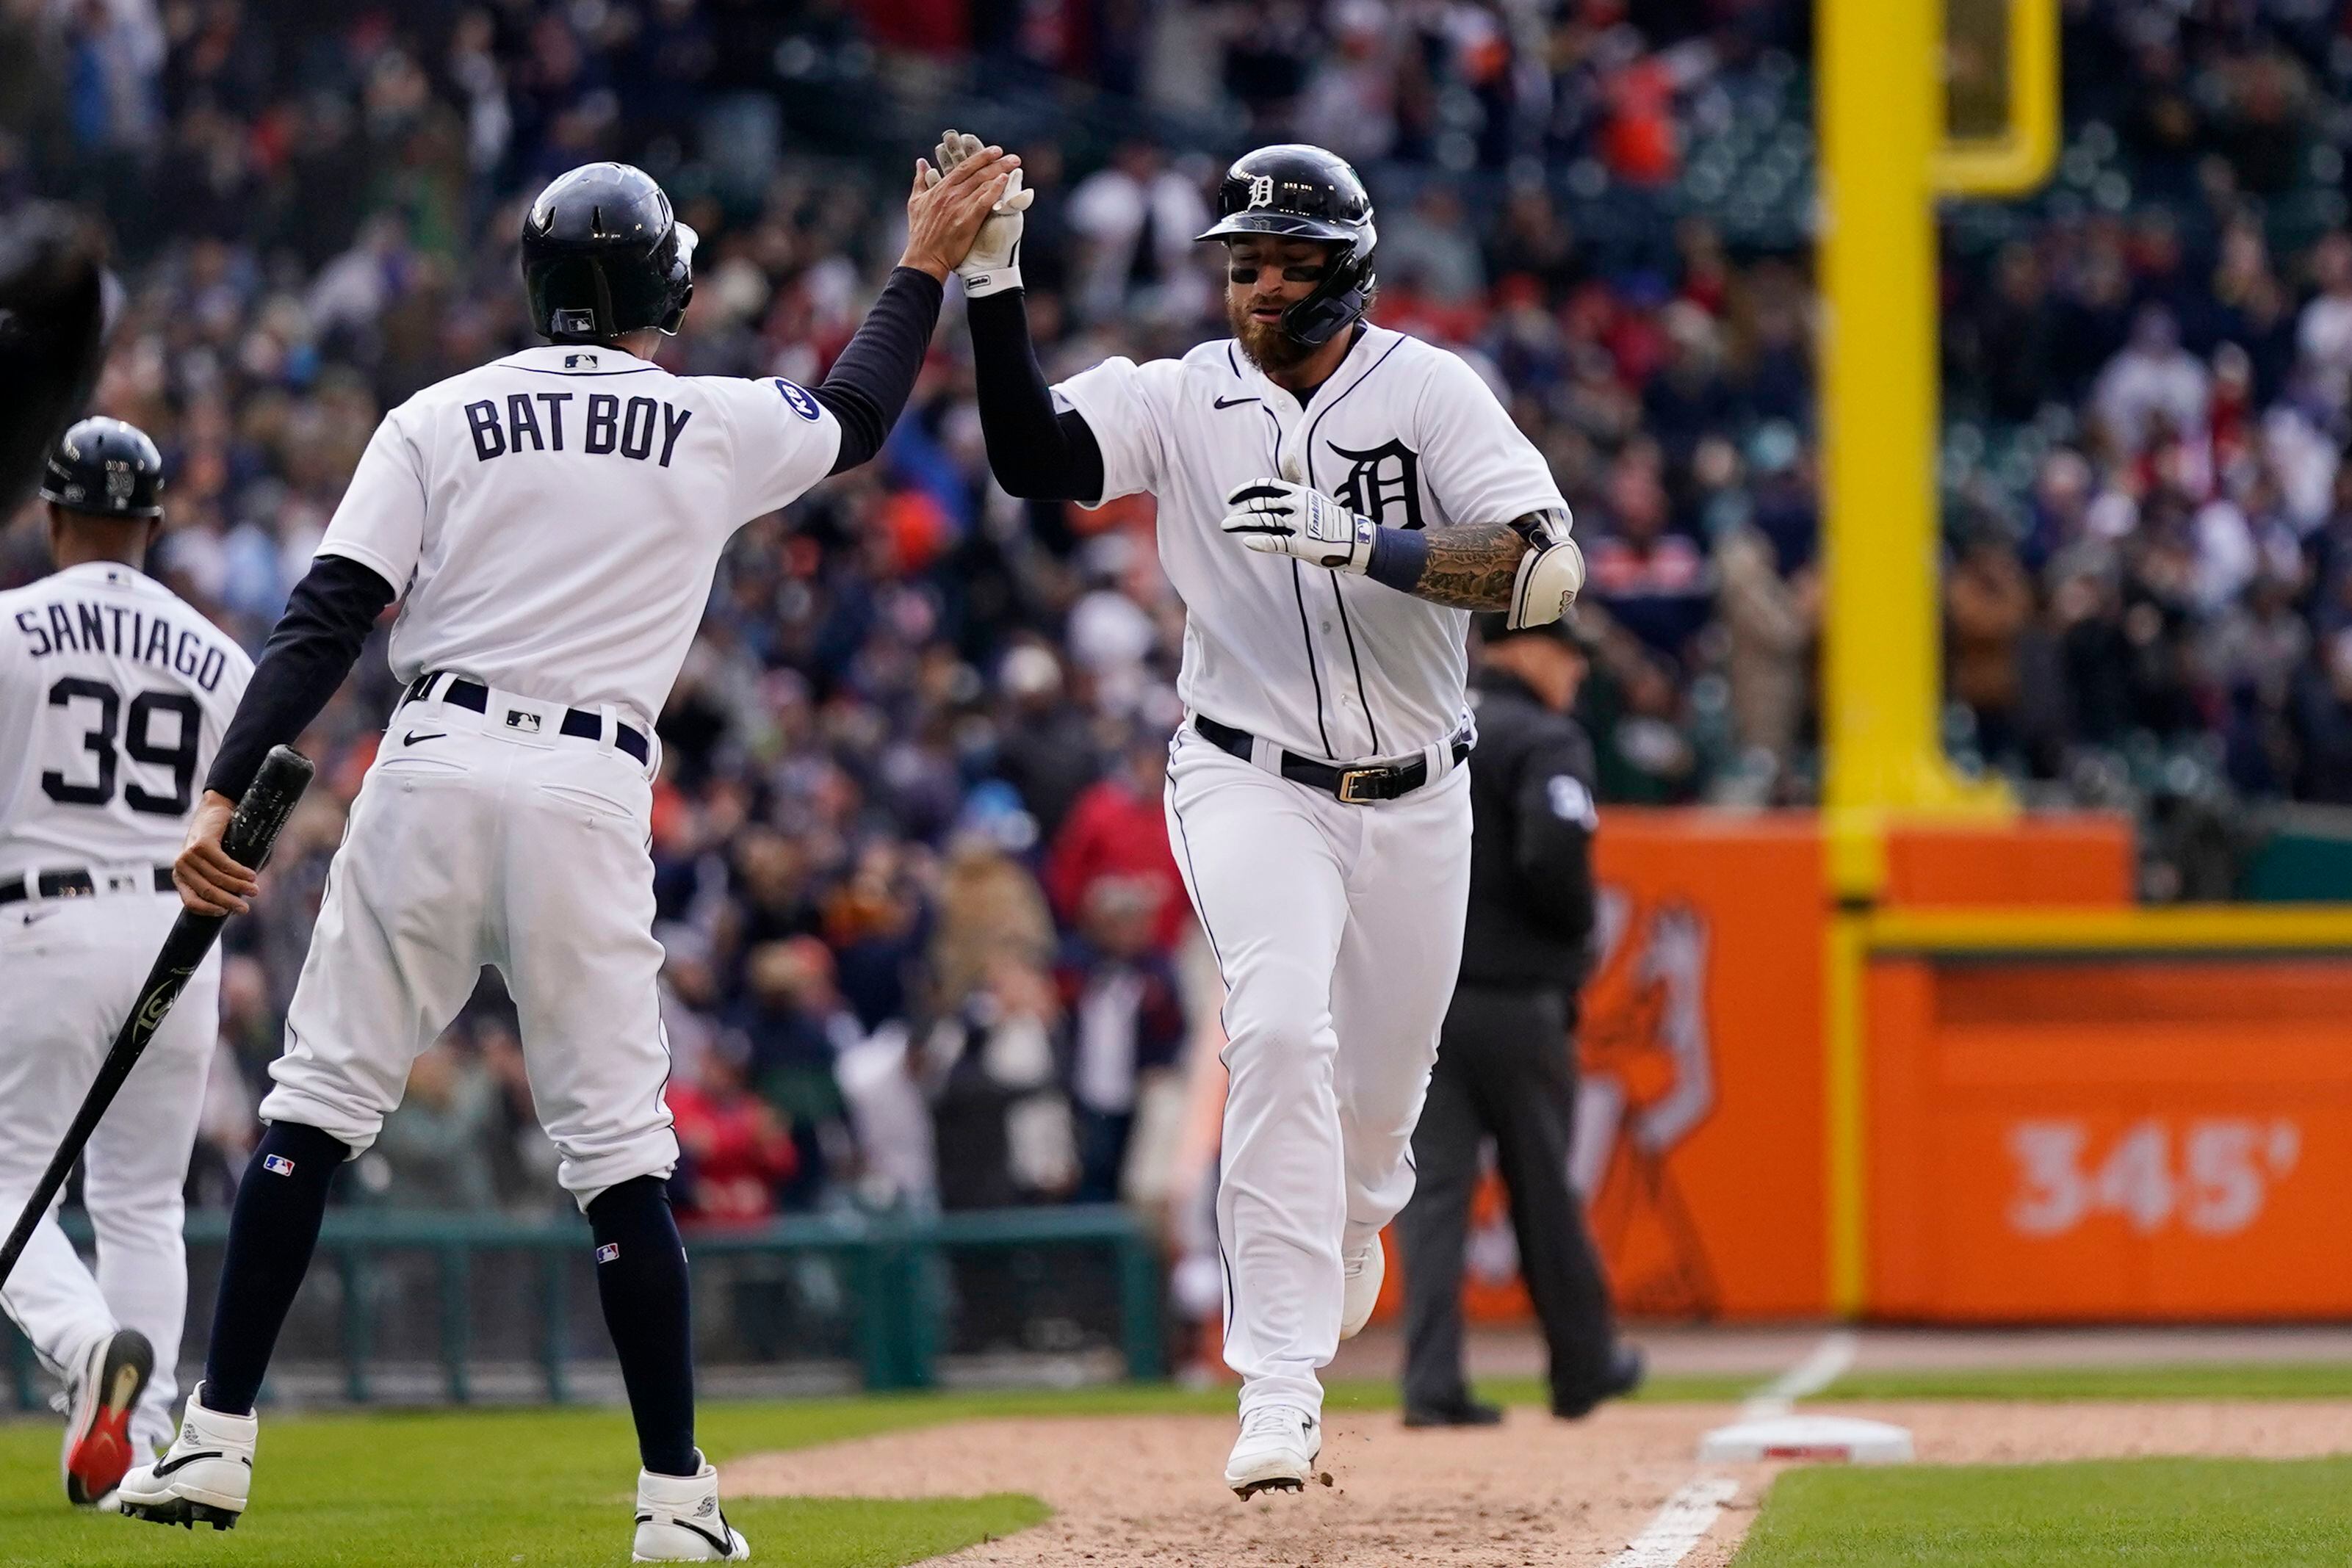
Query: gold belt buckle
[1349,778]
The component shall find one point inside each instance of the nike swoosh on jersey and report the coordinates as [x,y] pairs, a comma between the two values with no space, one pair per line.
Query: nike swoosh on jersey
[1233,401]
[412,737]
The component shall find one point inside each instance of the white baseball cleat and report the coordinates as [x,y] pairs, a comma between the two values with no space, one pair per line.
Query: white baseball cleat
[1276,1449]
[1360,1287]
[206,1477]
[98,1447]
[678,1520]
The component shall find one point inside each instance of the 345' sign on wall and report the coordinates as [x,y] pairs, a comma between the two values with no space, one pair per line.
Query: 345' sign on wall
[2209,1175]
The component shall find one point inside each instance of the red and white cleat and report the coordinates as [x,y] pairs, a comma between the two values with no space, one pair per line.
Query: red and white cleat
[97,1448]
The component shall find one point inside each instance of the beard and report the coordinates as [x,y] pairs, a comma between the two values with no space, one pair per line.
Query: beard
[1269,348]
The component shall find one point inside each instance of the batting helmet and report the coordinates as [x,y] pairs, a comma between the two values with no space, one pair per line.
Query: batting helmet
[1304,193]
[108,469]
[604,255]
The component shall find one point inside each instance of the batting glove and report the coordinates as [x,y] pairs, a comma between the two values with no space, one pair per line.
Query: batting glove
[993,263]
[1279,516]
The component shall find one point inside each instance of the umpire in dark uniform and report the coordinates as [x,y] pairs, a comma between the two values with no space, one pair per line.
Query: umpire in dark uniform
[1505,1068]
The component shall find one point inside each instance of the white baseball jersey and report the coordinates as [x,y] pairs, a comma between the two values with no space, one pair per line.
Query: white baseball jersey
[113,698]
[555,517]
[1324,664]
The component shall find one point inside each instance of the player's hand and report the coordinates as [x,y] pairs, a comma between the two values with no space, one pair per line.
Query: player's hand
[209,880]
[993,263]
[1280,516]
[945,210]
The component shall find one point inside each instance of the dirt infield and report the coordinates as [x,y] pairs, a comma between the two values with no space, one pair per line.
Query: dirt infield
[1146,1490]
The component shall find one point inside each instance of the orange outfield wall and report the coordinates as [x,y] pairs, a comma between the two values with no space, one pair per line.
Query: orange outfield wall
[2155,1136]
[2050,1135]
[1701,1140]
[1699,1127]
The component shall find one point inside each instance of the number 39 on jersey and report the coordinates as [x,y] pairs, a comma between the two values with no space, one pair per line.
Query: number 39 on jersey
[114,696]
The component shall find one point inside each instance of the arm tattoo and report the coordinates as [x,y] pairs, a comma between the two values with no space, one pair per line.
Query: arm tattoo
[1474,567]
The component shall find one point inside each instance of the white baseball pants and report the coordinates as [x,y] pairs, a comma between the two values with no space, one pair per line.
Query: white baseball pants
[69,971]
[491,839]
[1337,929]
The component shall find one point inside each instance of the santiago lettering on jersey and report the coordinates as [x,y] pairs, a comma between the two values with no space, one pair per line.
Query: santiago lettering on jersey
[84,627]
[610,425]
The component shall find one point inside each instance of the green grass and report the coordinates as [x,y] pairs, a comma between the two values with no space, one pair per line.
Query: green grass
[390,1489]
[394,1488]
[2219,1380]
[495,1488]
[2147,1513]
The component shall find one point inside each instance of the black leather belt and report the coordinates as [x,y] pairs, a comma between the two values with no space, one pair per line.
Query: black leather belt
[69,885]
[1356,786]
[578,722]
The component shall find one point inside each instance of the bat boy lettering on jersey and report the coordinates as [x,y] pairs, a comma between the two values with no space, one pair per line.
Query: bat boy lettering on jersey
[535,422]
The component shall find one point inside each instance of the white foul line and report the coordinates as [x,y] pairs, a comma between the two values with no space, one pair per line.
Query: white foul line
[1690,1513]
[1827,1361]
[1679,1526]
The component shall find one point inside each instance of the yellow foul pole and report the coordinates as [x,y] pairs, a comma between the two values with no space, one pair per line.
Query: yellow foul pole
[1880,122]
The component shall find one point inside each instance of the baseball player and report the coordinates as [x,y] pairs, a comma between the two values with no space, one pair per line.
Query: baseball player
[550,523]
[113,698]
[1334,499]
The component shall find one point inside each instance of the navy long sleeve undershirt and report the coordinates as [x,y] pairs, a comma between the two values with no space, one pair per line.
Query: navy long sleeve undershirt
[310,651]
[872,377]
[1037,453]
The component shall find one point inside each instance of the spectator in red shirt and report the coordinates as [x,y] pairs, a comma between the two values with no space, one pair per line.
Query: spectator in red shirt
[734,1152]
[1120,828]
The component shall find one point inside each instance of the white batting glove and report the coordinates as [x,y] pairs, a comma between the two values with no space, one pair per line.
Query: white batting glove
[1280,516]
[993,263]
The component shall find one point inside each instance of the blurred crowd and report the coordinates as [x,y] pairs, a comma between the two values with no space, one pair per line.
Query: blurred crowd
[926,943]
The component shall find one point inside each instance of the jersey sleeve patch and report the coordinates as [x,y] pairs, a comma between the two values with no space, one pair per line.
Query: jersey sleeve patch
[798,399]
[1571,801]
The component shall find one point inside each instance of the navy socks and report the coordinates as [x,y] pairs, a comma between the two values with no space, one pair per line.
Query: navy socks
[272,1231]
[641,1278]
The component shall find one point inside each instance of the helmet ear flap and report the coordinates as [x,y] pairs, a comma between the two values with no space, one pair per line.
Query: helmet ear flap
[1340,300]
[681,277]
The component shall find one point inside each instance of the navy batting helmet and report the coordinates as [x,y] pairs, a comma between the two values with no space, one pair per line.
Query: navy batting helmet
[1304,193]
[604,255]
[106,468]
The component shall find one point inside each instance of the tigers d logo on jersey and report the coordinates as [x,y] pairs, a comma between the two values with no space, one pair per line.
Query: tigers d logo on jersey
[1383,483]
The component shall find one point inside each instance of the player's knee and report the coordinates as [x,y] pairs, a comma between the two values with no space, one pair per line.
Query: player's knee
[122,1218]
[591,1169]
[1292,1040]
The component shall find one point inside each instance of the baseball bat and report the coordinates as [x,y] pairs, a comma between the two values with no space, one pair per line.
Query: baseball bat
[252,831]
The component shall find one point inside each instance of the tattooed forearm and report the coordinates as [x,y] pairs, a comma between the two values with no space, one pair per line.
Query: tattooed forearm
[1474,567]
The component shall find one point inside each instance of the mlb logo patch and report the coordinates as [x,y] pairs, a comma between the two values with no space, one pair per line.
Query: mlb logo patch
[278,1165]
[526,722]
[608,1252]
[579,361]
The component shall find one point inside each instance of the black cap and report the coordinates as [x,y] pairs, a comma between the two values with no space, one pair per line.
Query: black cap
[1494,626]
[106,468]
[604,255]
[1304,193]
